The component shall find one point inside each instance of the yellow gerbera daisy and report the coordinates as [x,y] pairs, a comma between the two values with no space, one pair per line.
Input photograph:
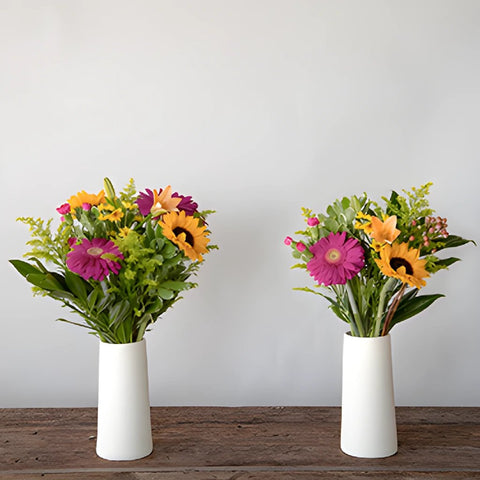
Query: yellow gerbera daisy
[386,231]
[83,197]
[398,261]
[186,232]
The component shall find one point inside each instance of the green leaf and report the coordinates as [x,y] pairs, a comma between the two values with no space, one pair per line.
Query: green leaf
[453,241]
[331,225]
[92,298]
[175,285]
[120,311]
[24,268]
[76,285]
[413,306]
[165,294]
[446,262]
[45,280]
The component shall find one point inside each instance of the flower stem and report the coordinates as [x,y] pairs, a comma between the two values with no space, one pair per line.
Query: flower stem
[389,284]
[393,309]
[353,305]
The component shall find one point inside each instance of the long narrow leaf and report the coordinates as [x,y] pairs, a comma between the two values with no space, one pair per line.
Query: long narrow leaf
[24,268]
[77,285]
[412,307]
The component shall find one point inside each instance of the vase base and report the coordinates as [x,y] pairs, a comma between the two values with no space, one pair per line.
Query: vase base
[366,455]
[124,458]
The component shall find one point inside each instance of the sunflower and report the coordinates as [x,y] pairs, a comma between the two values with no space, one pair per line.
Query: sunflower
[82,198]
[186,232]
[398,261]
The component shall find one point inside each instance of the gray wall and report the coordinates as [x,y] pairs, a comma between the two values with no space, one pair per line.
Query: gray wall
[256,108]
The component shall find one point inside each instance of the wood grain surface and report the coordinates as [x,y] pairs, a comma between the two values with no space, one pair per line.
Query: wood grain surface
[199,443]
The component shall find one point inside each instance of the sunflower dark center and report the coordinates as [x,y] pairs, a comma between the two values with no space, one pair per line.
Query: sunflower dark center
[397,262]
[188,236]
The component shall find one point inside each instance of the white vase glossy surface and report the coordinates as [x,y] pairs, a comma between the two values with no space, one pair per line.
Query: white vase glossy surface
[369,428]
[123,426]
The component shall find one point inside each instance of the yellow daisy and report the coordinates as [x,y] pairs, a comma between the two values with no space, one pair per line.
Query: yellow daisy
[186,232]
[367,226]
[398,261]
[115,216]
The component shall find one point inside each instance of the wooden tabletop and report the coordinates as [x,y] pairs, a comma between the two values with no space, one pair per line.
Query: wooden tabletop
[200,443]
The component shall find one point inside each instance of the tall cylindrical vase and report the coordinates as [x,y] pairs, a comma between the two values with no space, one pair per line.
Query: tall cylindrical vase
[369,428]
[124,430]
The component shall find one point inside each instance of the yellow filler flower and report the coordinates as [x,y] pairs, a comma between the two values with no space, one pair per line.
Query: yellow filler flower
[398,261]
[186,232]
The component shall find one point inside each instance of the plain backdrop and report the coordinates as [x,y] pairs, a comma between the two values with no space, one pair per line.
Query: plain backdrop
[256,108]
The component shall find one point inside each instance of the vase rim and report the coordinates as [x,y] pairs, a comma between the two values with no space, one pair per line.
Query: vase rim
[349,334]
[122,344]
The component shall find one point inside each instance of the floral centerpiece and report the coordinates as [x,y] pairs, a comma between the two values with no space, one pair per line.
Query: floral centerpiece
[117,261]
[370,260]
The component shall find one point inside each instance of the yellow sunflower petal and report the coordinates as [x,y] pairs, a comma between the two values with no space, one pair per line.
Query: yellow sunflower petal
[398,261]
[187,233]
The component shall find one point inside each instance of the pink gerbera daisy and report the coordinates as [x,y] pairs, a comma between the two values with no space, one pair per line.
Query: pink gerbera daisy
[145,202]
[94,258]
[336,259]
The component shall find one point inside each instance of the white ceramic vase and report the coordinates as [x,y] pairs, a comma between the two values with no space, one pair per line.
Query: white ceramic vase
[124,430]
[369,428]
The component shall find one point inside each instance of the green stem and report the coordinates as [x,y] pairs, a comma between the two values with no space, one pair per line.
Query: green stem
[388,286]
[353,305]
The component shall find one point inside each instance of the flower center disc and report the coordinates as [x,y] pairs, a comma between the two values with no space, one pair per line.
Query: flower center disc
[188,236]
[333,256]
[95,251]
[397,262]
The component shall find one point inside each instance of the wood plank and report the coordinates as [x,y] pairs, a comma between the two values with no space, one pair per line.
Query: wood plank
[246,475]
[267,442]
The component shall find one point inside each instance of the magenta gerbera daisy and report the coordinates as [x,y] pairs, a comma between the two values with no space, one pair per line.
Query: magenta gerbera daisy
[95,258]
[336,259]
[145,202]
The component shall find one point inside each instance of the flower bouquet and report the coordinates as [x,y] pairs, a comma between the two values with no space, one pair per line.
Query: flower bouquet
[119,262]
[364,257]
